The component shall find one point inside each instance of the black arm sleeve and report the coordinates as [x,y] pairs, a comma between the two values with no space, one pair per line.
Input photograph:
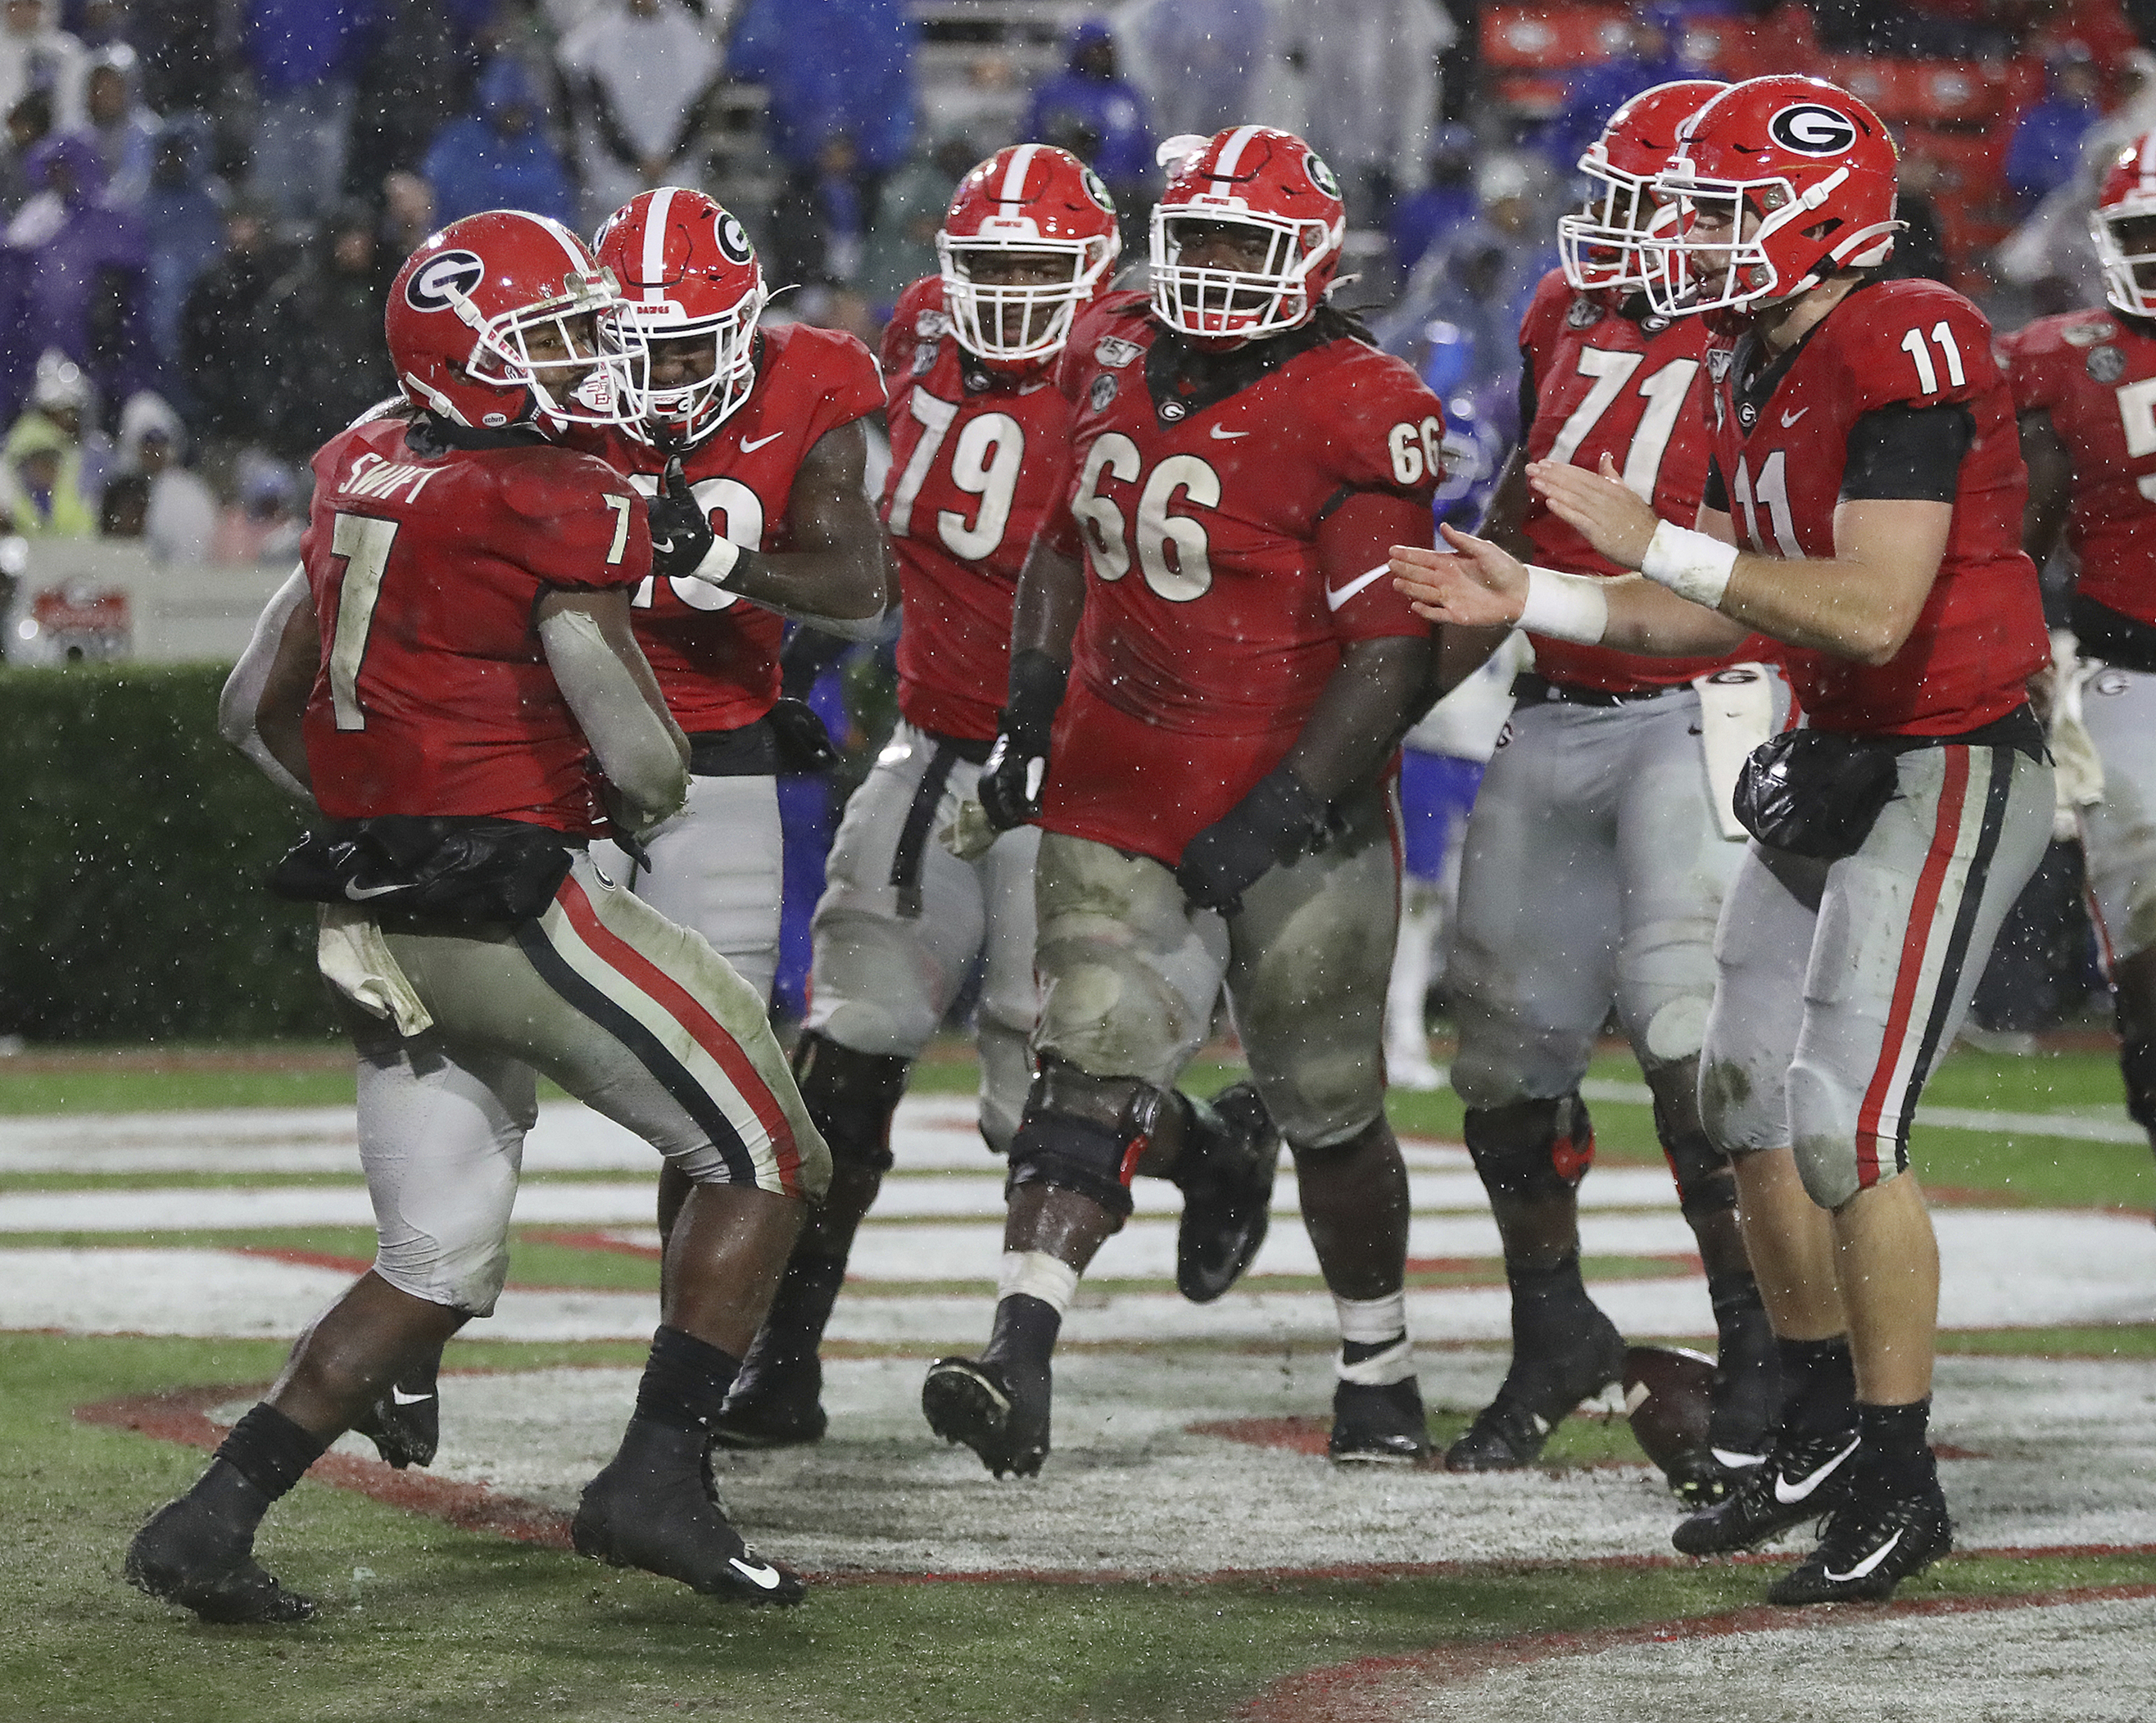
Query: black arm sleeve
[1906,454]
[1527,394]
[1716,495]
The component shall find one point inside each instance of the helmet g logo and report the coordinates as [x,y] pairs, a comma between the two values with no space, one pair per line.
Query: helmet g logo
[435,286]
[1094,189]
[1320,176]
[1812,129]
[733,241]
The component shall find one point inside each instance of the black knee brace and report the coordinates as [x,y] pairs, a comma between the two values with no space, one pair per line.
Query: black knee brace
[1084,1133]
[851,1097]
[1704,1180]
[1532,1148]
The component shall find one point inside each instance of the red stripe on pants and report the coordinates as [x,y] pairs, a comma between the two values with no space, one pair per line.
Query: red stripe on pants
[705,1029]
[1922,911]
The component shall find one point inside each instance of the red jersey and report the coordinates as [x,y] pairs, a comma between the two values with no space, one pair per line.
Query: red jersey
[977,458]
[1781,452]
[1209,629]
[715,654]
[2095,373]
[434,697]
[1635,389]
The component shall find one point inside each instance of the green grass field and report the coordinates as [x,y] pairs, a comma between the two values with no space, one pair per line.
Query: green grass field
[421,1620]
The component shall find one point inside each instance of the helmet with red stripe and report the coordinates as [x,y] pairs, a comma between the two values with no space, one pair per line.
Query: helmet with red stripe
[1781,184]
[494,321]
[1599,245]
[1030,238]
[1246,238]
[692,291]
[2123,225]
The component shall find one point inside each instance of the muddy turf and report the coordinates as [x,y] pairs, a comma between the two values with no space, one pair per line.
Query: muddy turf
[422,1617]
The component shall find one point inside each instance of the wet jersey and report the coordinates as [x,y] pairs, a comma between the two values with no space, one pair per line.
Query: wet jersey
[1597,381]
[1782,438]
[2095,373]
[976,459]
[434,696]
[716,654]
[1199,493]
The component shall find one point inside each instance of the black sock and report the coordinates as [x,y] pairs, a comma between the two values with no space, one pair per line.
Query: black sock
[794,1329]
[684,1381]
[1819,1386]
[1736,1299]
[1025,1330]
[261,1457]
[1897,1444]
[1547,1303]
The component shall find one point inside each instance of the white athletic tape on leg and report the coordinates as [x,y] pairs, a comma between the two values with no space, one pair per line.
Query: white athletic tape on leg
[1693,565]
[1040,1275]
[1396,1363]
[1565,607]
[1368,1321]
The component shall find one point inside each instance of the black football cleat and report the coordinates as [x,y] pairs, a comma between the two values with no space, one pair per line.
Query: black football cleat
[1377,1426]
[630,1516]
[1803,1478]
[1227,1198]
[405,1424]
[1874,1540]
[1746,1395]
[773,1405]
[187,1555]
[1002,1414]
[1538,1392]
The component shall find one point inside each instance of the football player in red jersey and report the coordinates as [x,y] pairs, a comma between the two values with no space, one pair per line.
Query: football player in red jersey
[1212,595]
[979,452]
[2085,384]
[1864,507]
[458,691]
[748,443]
[1595,861]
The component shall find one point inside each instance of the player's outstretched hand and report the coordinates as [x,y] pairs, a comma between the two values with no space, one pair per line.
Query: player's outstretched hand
[1480,586]
[681,535]
[1597,506]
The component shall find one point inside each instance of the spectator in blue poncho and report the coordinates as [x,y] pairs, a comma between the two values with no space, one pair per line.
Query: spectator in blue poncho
[1448,202]
[184,215]
[1092,110]
[123,131]
[2047,143]
[305,55]
[831,67]
[499,156]
[1649,56]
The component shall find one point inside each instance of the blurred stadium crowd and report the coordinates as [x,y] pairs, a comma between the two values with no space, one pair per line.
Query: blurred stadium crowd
[204,200]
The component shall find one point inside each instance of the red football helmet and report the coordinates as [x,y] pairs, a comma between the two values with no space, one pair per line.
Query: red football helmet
[464,311]
[687,268]
[1599,245]
[2123,225]
[1780,182]
[1035,202]
[1276,189]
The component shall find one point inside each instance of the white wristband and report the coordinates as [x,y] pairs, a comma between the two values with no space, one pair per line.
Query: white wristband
[1692,565]
[718,562]
[1565,607]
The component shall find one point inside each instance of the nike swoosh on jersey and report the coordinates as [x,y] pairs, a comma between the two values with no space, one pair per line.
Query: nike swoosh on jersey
[1866,1566]
[1223,434]
[402,1398]
[1785,1491]
[359,894]
[1335,597]
[1790,418]
[749,447]
[761,1575]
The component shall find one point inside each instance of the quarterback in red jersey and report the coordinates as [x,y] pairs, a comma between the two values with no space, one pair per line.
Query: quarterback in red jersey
[1212,594]
[1863,507]
[1595,862]
[2085,385]
[455,686]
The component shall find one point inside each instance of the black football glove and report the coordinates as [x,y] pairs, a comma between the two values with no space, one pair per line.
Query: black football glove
[1278,821]
[1010,783]
[804,744]
[681,535]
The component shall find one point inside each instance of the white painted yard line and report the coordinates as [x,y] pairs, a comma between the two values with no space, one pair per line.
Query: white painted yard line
[2075,1127]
